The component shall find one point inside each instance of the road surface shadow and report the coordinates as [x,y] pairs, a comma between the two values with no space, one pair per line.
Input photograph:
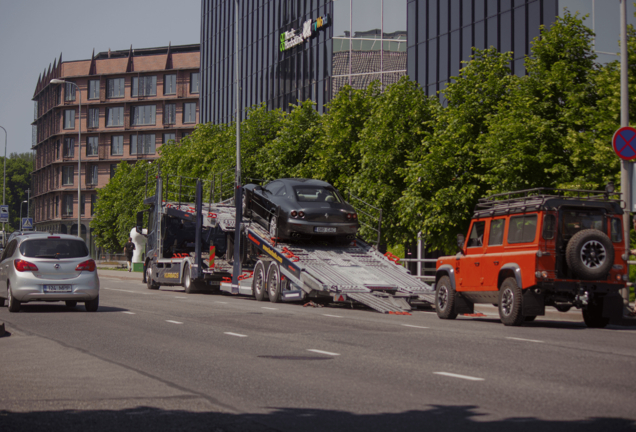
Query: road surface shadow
[433,418]
[61,308]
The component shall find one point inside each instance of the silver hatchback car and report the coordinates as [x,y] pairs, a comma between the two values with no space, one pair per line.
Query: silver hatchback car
[48,268]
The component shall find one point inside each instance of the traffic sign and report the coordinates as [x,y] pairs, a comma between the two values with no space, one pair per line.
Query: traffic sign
[27,224]
[4,213]
[624,143]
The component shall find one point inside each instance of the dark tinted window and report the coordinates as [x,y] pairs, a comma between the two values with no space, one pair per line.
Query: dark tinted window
[315,194]
[549,227]
[476,238]
[8,252]
[617,230]
[522,229]
[495,238]
[53,248]
[577,220]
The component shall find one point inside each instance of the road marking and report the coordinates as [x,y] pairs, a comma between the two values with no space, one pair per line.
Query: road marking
[180,297]
[269,308]
[235,334]
[333,316]
[452,375]
[220,302]
[323,352]
[129,313]
[174,322]
[116,289]
[414,326]
[524,340]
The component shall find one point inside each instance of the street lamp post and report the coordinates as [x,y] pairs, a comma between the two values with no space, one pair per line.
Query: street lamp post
[4,175]
[238,190]
[79,156]
[21,213]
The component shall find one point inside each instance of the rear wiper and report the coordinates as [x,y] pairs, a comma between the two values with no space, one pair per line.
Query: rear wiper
[44,256]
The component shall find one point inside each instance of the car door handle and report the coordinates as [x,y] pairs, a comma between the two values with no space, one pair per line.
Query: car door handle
[476,263]
[496,262]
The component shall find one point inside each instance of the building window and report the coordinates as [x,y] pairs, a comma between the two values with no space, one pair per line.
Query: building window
[169,137]
[113,168]
[67,205]
[93,89]
[142,144]
[189,112]
[144,115]
[82,204]
[169,84]
[116,87]
[117,145]
[185,134]
[92,146]
[93,203]
[57,149]
[69,92]
[69,119]
[69,147]
[170,114]
[194,82]
[68,175]
[144,86]
[115,116]
[93,117]
[92,175]
[57,206]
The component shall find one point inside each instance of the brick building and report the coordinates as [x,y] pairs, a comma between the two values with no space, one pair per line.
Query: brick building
[132,103]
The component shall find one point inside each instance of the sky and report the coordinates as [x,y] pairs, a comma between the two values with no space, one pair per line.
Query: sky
[33,33]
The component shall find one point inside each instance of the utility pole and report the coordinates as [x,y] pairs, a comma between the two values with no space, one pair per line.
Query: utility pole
[238,190]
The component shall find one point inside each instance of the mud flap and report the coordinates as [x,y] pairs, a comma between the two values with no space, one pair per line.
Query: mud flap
[612,306]
[463,305]
[533,303]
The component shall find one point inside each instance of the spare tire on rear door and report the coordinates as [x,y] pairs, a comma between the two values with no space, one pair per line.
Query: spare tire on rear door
[590,254]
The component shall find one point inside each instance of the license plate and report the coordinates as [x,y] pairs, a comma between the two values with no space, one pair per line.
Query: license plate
[324,229]
[57,288]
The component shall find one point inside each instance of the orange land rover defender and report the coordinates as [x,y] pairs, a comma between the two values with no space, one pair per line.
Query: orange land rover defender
[535,248]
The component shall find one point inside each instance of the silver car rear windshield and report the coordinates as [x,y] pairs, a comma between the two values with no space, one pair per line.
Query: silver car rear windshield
[315,194]
[53,248]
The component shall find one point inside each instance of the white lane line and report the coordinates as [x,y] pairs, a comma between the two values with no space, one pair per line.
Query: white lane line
[323,352]
[269,308]
[525,340]
[332,316]
[174,322]
[180,297]
[452,375]
[235,334]
[116,289]
[220,302]
[128,312]
[414,326]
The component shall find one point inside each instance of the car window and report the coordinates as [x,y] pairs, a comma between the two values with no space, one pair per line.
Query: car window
[522,229]
[476,238]
[577,220]
[495,238]
[549,226]
[274,187]
[53,248]
[316,194]
[617,230]
[8,252]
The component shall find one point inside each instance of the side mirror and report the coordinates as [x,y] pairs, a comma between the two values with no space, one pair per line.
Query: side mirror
[460,241]
[140,222]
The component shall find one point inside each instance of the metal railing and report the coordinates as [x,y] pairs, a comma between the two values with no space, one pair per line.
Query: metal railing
[423,269]
[368,216]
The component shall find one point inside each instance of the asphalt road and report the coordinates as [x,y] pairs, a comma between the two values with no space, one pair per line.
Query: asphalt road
[164,360]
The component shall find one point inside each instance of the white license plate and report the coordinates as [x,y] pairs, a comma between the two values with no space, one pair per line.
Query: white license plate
[57,288]
[324,230]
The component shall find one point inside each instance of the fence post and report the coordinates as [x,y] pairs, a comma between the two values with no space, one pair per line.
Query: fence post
[180,180]
[211,189]
[379,229]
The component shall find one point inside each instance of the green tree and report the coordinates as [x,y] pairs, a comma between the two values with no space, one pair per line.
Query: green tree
[18,180]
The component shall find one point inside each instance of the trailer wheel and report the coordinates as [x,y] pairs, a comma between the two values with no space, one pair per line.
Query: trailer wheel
[149,282]
[273,282]
[258,281]
[186,281]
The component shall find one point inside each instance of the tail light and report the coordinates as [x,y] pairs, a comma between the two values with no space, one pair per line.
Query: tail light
[294,213]
[86,266]
[22,266]
[355,216]
[301,214]
[351,216]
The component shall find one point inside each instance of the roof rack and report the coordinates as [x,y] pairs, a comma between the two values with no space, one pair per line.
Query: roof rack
[529,198]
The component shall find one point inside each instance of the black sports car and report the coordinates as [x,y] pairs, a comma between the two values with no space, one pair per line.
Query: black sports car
[301,209]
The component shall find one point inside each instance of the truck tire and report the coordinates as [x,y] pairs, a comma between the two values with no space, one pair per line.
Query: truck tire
[593,314]
[186,280]
[445,299]
[510,303]
[273,282]
[149,282]
[258,281]
[590,254]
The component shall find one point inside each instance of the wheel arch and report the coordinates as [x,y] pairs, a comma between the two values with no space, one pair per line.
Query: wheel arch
[445,270]
[510,270]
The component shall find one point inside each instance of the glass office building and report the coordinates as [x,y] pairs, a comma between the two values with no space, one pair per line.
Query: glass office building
[441,33]
[294,50]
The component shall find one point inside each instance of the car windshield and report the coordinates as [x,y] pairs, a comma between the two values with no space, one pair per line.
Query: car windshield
[53,248]
[577,220]
[316,194]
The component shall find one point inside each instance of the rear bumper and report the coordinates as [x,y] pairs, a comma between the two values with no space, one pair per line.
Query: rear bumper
[307,228]
[84,287]
[574,287]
